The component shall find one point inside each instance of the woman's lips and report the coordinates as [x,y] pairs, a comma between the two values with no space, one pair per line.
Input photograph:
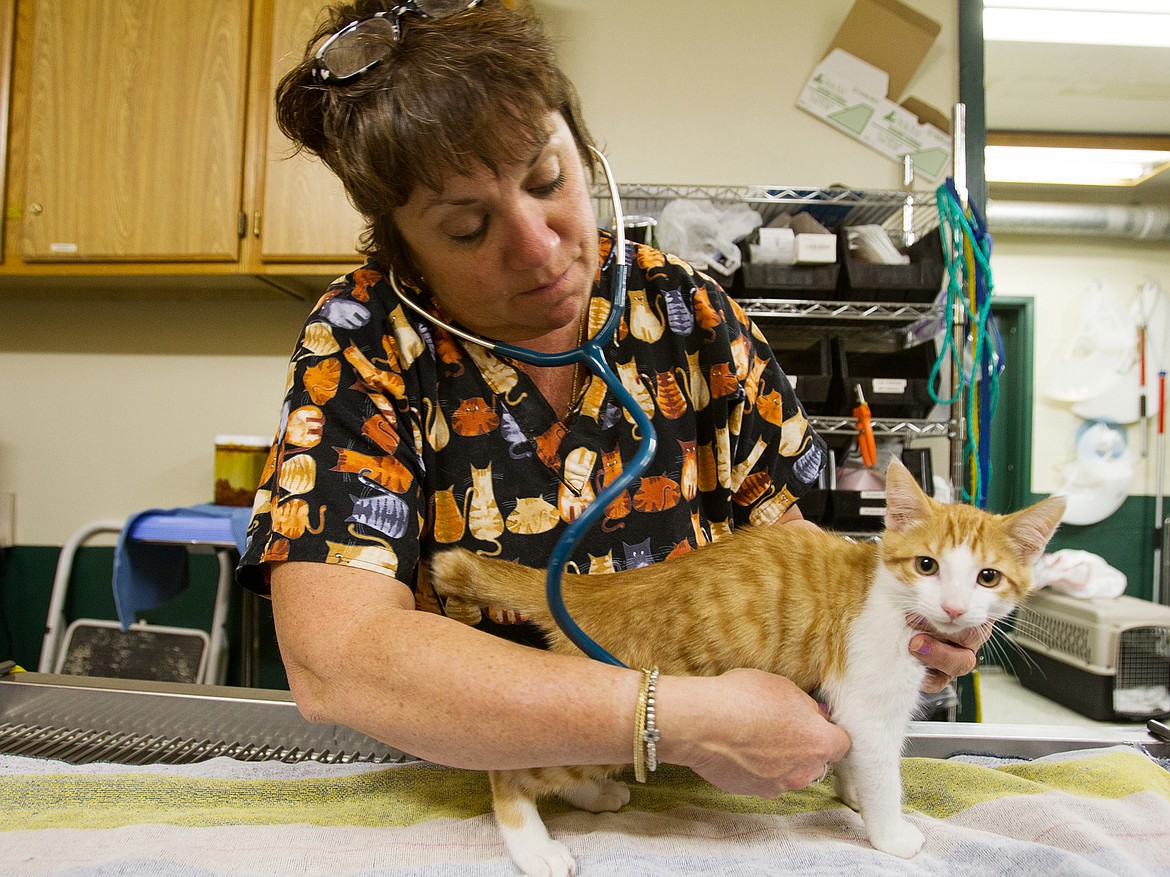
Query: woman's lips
[551,286]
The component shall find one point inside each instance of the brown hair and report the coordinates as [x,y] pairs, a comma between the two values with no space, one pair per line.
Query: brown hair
[450,94]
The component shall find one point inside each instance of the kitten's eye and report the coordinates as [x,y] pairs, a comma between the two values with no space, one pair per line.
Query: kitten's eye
[925,566]
[989,578]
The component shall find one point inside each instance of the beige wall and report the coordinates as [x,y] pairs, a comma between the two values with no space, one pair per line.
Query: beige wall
[111,407]
[1058,273]
[690,91]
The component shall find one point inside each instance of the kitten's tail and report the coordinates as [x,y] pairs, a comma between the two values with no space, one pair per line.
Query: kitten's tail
[484,581]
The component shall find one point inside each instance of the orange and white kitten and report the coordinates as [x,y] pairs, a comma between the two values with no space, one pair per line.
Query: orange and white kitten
[829,614]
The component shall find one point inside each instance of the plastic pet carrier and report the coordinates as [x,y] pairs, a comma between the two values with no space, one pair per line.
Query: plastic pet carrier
[1106,658]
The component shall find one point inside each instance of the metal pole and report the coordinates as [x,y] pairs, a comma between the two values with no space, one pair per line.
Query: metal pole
[909,234]
[1159,518]
[959,127]
[1157,596]
[958,416]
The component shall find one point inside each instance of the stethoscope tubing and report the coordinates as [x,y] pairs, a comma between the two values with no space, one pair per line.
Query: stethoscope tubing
[592,354]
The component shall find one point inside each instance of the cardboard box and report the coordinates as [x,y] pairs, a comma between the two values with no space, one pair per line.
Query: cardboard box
[811,243]
[777,246]
[777,238]
[888,35]
[878,49]
[816,249]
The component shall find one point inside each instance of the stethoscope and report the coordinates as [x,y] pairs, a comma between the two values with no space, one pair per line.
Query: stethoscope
[591,354]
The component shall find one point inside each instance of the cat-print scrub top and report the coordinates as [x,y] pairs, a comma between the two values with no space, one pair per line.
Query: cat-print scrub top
[397,439]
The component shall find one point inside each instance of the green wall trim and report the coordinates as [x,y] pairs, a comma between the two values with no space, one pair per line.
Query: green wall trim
[26,586]
[1011,427]
[1125,540]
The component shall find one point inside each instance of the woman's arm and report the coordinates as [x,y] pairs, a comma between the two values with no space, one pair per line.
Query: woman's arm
[358,654]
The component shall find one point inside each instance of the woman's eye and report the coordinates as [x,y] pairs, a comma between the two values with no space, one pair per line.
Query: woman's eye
[925,566]
[549,188]
[469,237]
[989,578]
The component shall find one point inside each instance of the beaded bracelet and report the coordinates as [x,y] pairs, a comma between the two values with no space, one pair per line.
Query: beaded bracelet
[646,734]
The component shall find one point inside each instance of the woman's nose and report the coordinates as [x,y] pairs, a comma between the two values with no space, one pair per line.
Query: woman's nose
[531,238]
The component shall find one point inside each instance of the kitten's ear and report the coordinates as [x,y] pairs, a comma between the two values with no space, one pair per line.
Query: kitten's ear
[906,503]
[1031,528]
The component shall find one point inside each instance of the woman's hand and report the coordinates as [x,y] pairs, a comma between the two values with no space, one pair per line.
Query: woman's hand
[747,732]
[947,658]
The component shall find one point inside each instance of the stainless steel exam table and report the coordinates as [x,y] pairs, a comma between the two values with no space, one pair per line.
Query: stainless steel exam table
[83,719]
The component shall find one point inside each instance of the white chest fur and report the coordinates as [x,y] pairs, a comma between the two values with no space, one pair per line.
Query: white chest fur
[873,701]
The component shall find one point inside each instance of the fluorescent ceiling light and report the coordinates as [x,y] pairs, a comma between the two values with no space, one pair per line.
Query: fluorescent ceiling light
[1069,166]
[1086,22]
[1162,6]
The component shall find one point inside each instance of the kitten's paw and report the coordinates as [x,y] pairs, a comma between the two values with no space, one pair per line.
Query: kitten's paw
[599,796]
[903,840]
[845,792]
[548,859]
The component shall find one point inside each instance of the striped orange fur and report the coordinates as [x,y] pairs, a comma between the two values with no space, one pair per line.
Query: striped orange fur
[783,599]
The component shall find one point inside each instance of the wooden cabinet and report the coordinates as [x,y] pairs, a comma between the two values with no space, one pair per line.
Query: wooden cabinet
[7,28]
[143,141]
[305,215]
[135,130]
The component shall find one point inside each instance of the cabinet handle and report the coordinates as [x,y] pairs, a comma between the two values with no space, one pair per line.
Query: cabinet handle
[241,224]
[256,223]
[36,208]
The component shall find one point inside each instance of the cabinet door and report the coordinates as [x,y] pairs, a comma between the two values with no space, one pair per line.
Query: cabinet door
[7,26]
[135,130]
[307,217]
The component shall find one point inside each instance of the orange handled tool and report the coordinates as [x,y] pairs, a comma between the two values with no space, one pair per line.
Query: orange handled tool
[865,442]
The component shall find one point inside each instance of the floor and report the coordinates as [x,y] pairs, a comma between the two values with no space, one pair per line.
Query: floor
[1005,701]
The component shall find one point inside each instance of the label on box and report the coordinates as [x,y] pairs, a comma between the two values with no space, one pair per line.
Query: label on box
[792,379]
[776,237]
[873,494]
[872,511]
[816,248]
[762,255]
[889,386]
[851,95]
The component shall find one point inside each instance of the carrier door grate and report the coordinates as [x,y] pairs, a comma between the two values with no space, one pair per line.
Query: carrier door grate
[1142,687]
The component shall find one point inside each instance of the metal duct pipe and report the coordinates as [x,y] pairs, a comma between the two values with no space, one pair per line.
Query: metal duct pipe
[1081,220]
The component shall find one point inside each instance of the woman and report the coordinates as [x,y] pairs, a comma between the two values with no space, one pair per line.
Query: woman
[461,142]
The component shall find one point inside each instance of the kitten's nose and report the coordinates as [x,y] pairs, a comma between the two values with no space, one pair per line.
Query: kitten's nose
[953,612]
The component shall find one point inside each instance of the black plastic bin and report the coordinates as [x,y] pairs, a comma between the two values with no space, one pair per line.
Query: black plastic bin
[814,505]
[846,511]
[896,383]
[857,511]
[917,282]
[811,373]
[764,280]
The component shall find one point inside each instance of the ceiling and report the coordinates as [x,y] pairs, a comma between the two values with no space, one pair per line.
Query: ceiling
[1107,90]
[1053,87]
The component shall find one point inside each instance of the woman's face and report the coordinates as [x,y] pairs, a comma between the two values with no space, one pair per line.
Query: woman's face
[513,256]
